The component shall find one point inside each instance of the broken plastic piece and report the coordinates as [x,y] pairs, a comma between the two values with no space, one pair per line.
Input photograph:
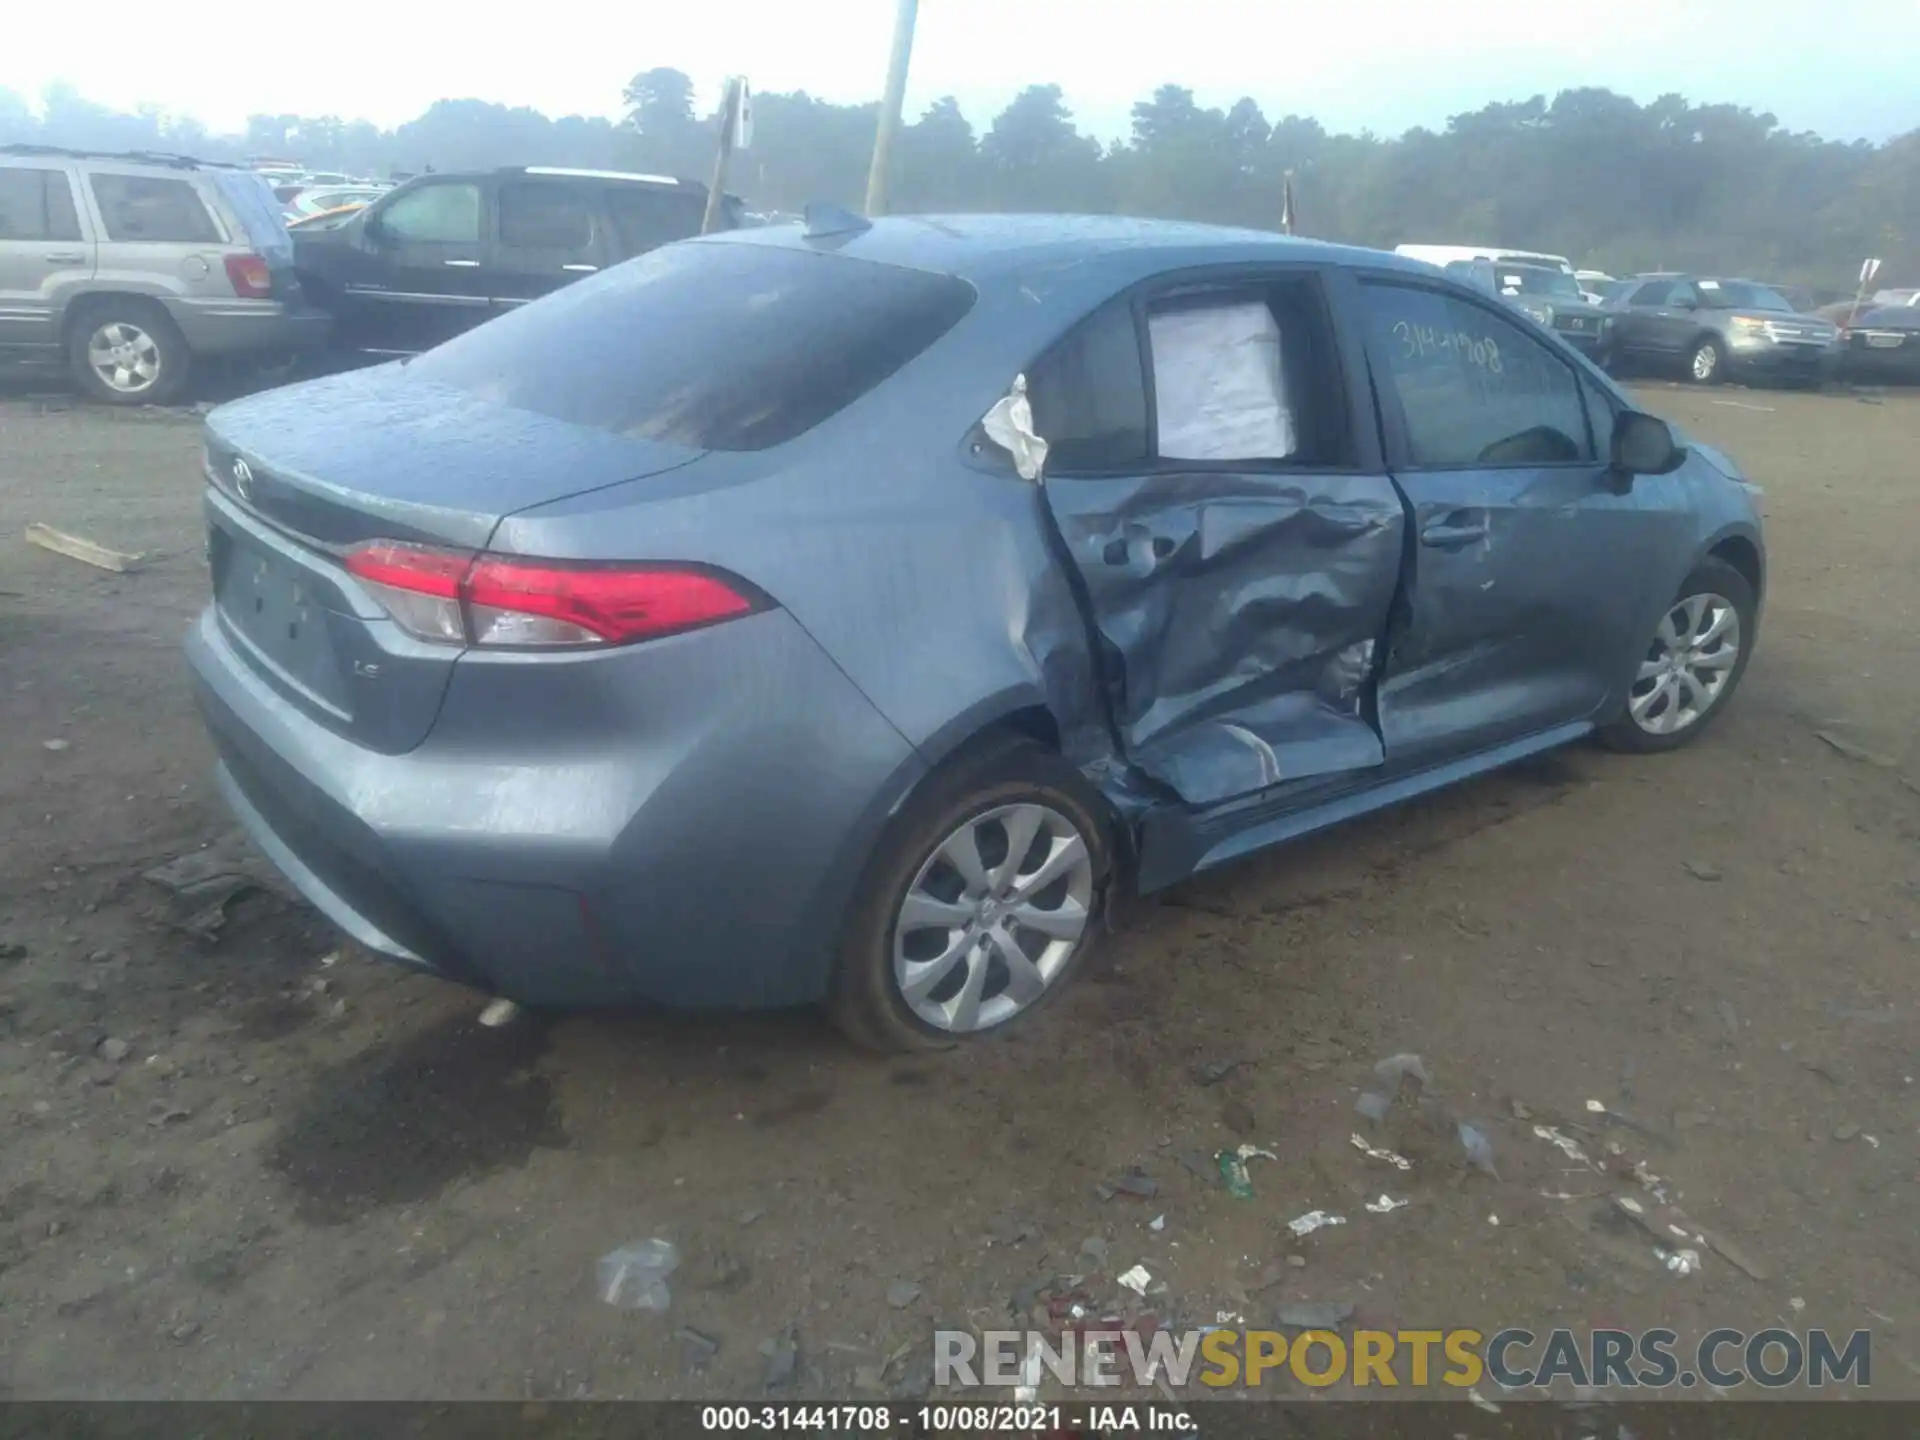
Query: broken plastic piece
[1386,1205]
[1137,1279]
[499,1012]
[1009,424]
[1233,1169]
[1473,1139]
[634,1277]
[1375,1152]
[1314,1220]
[1569,1148]
[1680,1262]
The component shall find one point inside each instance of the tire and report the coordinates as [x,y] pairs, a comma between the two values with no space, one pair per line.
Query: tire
[149,362]
[1636,730]
[1707,361]
[974,799]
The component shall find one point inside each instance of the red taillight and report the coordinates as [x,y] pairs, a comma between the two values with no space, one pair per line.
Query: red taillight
[250,276]
[500,600]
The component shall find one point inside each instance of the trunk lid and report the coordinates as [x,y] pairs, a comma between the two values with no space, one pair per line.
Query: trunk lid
[302,474]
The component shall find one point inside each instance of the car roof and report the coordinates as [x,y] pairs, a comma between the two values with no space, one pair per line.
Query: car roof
[979,246]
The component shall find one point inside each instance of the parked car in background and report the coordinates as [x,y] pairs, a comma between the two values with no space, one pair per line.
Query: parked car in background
[836,614]
[1590,281]
[447,251]
[316,199]
[1551,297]
[131,270]
[1711,329]
[1444,255]
[1882,343]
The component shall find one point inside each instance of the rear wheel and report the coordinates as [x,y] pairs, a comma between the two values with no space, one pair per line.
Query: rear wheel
[984,897]
[128,353]
[1707,362]
[1692,664]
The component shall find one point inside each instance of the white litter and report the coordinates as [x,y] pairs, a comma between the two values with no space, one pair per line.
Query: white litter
[498,1013]
[1137,1279]
[1567,1147]
[1159,1222]
[1374,1152]
[1386,1205]
[1680,1262]
[1314,1220]
[1482,1402]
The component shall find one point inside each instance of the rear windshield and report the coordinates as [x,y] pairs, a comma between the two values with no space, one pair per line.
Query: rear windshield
[713,346]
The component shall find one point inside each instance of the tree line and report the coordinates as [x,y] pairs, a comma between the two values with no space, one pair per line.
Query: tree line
[1589,173]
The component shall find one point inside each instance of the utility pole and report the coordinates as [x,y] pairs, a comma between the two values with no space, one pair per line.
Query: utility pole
[890,104]
[729,122]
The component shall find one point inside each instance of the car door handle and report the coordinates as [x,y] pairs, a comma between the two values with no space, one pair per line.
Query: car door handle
[581,269]
[463,264]
[64,257]
[1456,529]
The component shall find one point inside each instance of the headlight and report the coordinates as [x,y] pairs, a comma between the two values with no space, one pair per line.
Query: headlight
[1747,325]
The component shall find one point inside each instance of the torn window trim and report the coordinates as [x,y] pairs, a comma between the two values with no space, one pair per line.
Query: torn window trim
[1366,451]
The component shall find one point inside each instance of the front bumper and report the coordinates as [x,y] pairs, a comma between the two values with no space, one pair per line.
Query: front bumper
[692,839]
[251,327]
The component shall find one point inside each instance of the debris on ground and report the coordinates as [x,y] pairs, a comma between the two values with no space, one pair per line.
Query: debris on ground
[1159,1222]
[747,1217]
[1314,1220]
[85,551]
[56,745]
[205,882]
[634,1277]
[1843,746]
[1232,1165]
[1375,1152]
[1473,1139]
[1386,1205]
[1393,1077]
[782,1353]
[1700,870]
[1845,1131]
[162,1114]
[902,1293]
[1679,1262]
[1566,1146]
[1314,1314]
[1214,1071]
[113,1050]
[1093,1254]
[1138,1183]
[499,1012]
[1137,1279]
[1480,1402]
[1884,1016]
[697,1349]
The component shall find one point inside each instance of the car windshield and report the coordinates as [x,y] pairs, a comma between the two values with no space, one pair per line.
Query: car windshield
[1742,295]
[710,345]
[1533,280]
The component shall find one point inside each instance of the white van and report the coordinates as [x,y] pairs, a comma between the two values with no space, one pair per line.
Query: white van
[1443,255]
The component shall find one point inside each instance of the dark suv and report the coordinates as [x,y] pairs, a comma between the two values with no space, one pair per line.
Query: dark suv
[1711,329]
[1550,297]
[445,252]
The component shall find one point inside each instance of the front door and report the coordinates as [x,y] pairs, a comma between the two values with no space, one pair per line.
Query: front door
[417,273]
[548,233]
[1527,576]
[1236,536]
[42,254]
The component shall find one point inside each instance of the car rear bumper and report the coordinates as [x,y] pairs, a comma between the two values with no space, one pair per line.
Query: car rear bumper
[681,840]
[1900,363]
[250,327]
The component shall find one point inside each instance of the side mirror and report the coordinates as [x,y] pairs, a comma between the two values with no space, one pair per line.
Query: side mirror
[1644,444]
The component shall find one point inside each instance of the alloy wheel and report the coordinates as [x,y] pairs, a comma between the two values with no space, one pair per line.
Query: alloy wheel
[1706,363]
[125,357]
[1687,667]
[992,917]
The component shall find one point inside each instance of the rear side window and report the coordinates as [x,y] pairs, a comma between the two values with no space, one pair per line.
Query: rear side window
[153,208]
[712,346]
[1089,396]
[36,205]
[546,217]
[1655,292]
[645,218]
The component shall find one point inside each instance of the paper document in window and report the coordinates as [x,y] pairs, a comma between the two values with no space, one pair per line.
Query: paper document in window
[1218,387]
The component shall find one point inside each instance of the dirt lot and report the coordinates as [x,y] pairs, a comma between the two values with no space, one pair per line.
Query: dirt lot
[308,1176]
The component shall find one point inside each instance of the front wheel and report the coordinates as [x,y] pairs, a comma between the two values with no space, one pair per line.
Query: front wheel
[1707,362]
[1692,665]
[984,897]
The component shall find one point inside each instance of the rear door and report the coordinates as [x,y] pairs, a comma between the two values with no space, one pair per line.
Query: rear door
[43,254]
[1529,567]
[645,217]
[416,274]
[1229,518]
[547,233]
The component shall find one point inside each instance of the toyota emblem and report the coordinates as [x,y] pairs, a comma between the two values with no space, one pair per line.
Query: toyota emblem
[243,479]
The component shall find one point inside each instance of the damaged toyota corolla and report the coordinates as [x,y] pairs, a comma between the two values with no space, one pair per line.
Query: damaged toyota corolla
[850,614]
